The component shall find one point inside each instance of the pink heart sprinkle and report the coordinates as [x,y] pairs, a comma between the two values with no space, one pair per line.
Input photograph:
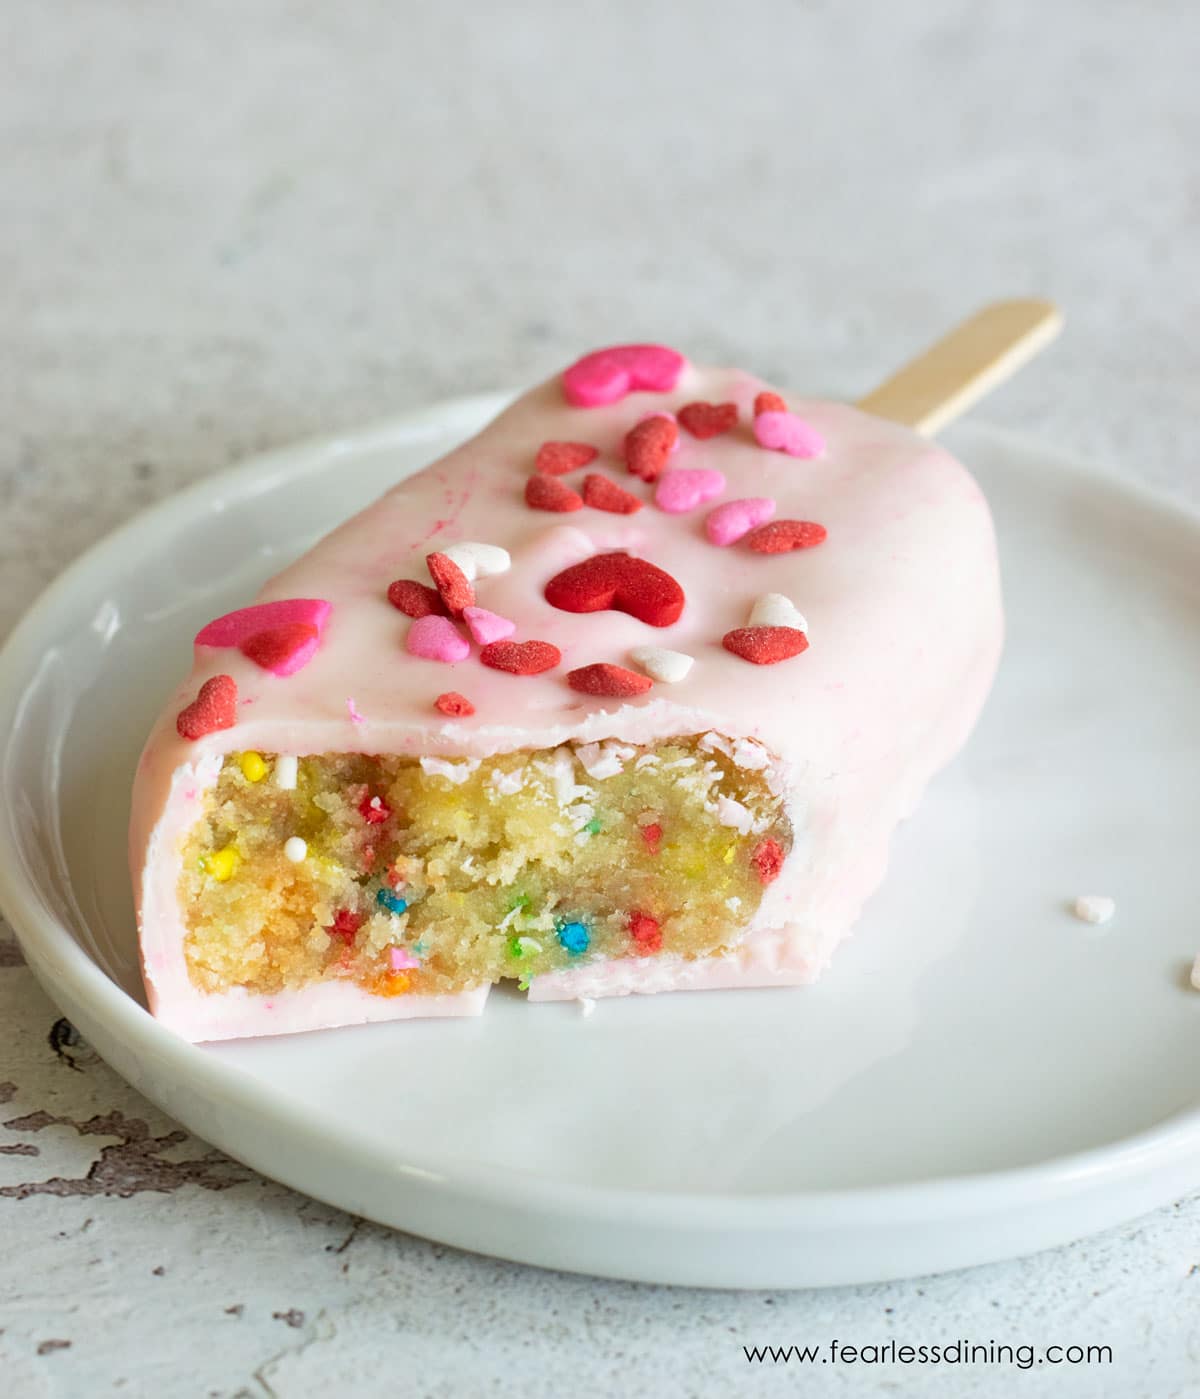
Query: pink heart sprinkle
[729,522]
[437,639]
[784,432]
[681,491]
[486,626]
[239,626]
[606,376]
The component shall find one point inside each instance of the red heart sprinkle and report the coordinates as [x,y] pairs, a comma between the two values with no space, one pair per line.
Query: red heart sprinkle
[782,536]
[273,648]
[345,925]
[544,492]
[621,583]
[602,494]
[611,681]
[705,420]
[455,705]
[768,402]
[374,810]
[215,707]
[652,835]
[453,588]
[648,445]
[415,599]
[645,931]
[767,860]
[557,458]
[765,645]
[521,657]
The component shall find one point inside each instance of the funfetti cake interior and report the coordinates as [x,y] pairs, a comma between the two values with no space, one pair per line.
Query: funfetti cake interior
[627,693]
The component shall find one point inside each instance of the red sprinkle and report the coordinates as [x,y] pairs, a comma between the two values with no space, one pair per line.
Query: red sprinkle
[648,445]
[557,458]
[602,494]
[765,645]
[612,681]
[544,492]
[705,420]
[767,860]
[620,583]
[271,648]
[215,707]
[782,536]
[521,657]
[345,925]
[455,705]
[368,858]
[453,588]
[415,599]
[374,810]
[652,835]
[768,402]
[645,931]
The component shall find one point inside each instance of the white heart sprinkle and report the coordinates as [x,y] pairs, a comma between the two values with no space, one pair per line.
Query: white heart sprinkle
[479,560]
[295,849]
[660,664]
[775,610]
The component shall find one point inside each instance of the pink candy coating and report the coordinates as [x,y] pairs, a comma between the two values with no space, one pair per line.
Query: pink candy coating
[681,491]
[486,626]
[784,432]
[437,639]
[729,522]
[606,376]
[239,626]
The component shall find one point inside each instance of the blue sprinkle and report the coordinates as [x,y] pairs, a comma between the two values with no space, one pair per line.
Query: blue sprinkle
[392,902]
[574,937]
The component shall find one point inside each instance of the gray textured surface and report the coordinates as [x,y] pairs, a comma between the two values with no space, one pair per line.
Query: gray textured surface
[231,225]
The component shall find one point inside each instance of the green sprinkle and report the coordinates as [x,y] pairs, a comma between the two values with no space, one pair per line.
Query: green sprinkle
[420,948]
[518,901]
[594,826]
[524,981]
[514,948]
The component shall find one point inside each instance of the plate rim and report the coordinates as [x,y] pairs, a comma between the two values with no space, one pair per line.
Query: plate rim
[58,960]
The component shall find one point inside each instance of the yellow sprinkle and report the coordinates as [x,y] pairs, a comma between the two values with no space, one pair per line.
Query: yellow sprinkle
[254,769]
[728,855]
[222,863]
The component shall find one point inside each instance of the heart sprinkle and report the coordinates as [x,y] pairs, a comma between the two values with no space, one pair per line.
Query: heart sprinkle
[486,627]
[283,650]
[415,599]
[775,610]
[606,376]
[648,444]
[437,639]
[521,657]
[681,491]
[602,494]
[214,708]
[730,522]
[767,860]
[660,664]
[768,402]
[705,420]
[455,705]
[557,458]
[235,627]
[479,560]
[784,432]
[453,588]
[765,645]
[610,681]
[782,536]
[621,583]
[549,493]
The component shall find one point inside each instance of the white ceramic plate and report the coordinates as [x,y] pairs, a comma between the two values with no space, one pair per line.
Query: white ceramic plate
[980,1075]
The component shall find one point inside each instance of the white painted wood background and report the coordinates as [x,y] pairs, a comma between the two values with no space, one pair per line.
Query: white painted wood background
[228,225]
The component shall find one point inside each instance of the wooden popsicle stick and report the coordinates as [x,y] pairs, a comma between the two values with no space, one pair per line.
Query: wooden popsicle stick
[939,385]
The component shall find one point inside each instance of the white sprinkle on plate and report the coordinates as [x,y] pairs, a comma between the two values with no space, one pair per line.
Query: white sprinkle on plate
[1094,908]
